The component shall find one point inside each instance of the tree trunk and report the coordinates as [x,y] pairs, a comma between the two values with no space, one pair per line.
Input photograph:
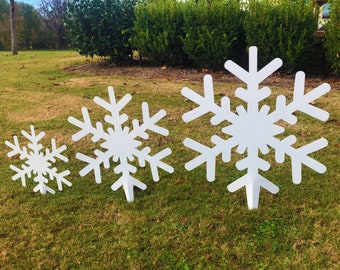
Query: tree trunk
[13,30]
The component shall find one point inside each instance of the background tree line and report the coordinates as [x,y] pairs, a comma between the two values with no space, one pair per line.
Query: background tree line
[36,28]
[200,33]
[205,33]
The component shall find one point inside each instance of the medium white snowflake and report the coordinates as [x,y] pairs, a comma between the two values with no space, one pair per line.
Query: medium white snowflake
[253,129]
[37,162]
[121,144]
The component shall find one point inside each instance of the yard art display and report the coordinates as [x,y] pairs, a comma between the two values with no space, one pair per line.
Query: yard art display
[38,162]
[253,129]
[121,144]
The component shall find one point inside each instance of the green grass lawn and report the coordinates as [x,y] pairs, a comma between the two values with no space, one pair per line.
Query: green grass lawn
[181,222]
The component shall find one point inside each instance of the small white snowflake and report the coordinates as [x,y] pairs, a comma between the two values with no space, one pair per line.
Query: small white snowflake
[37,162]
[253,129]
[121,144]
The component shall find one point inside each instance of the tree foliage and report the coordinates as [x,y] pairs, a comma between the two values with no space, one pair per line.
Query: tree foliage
[101,27]
[3,9]
[5,34]
[204,33]
[159,31]
[282,29]
[332,42]
[53,12]
[31,32]
[29,25]
[213,31]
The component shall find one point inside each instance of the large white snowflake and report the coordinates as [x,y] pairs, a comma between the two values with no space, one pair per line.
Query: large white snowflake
[38,162]
[253,129]
[121,144]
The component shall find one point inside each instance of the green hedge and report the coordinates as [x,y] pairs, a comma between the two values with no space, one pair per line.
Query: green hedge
[208,32]
[282,29]
[213,32]
[202,33]
[332,42]
[158,31]
[101,27]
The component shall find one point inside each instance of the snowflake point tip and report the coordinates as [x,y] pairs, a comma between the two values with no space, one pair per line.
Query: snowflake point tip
[208,78]
[228,63]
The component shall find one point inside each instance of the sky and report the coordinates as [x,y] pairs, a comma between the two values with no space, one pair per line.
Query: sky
[35,3]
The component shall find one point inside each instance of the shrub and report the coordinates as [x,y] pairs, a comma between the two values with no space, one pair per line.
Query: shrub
[213,31]
[282,29]
[101,28]
[332,42]
[158,31]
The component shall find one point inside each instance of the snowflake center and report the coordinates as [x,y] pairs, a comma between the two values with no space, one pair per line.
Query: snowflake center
[121,144]
[250,127]
[38,163]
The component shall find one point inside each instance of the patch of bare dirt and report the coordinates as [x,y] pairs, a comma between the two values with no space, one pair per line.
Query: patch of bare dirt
[101,68]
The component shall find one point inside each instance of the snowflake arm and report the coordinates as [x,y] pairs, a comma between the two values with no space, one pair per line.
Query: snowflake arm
[253,95]
[102,158]
[86,127]
[21,173]
[298,156]
[60,177]
[253,183]
[155,161]
[23,154]
[208,155]
[16,149]
[253,76]
[114,107]
[128,182]
[301,102]
[34,139]
[149,123]
[56,152]
[94,163]
[42,187]
[207,104]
